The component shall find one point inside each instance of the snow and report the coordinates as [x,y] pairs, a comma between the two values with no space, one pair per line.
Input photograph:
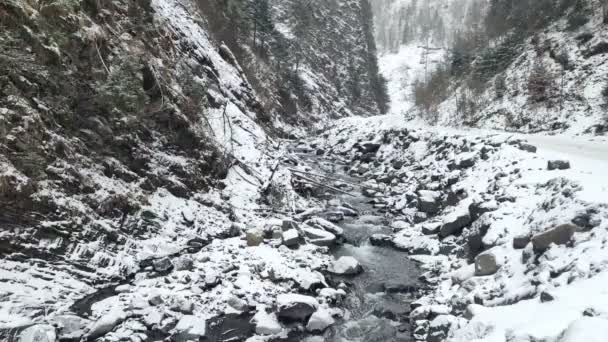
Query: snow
[266,323]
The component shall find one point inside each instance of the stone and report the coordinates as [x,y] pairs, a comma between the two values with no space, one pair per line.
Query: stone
[369,147]
[454,223]
[156,300]
[521,241]
[319,237]
[189,328]
[296,307]
[70,327]
[320,320]
[346,265]
[183,263]
[527,147]
[183,305]
[38,333]
[429,201]
[466,160]
[266,323]
[237,303]
[326,225]
[289,224]
[439,327]
[162,265]
[320,152]
[546,297]
[431,228]
[558,165]
[381,240]
[254,237]
[105,324]
[398,226]
[485,264]
[291,237]
[559,235]
[476,209]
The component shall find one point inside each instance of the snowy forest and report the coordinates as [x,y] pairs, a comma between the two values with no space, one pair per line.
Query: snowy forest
[303,170]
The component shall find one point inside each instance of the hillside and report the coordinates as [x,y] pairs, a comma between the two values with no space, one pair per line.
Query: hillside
[544,72]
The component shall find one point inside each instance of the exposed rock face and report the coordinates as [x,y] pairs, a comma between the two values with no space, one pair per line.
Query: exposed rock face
[295,307]
[559,235]
[485,264]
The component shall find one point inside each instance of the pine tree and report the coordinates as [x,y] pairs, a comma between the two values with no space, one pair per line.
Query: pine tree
[262,22]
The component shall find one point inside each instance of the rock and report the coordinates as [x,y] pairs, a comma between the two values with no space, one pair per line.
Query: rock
[429,201]
[255,237]
[335,216]
[399,287]
[70,327]
[326,225]
[476,209]
[381,240]
[156,300]
[38,333]
[106,323]
[398,226]
[320,152]
[320,320]
[290,224]
[183,263]
[466,160]
[291,237]
[319,237]
[189,328]
[369,147]
[463,274]
[558,165]
[485,264]
[559,235]
[527,147]
[238,304]
[439,327]
[431,228]
[346,265]
[266,323]
[521,241]
[546,297]
[162,265]
[454,223]
[183,305]
[296,307]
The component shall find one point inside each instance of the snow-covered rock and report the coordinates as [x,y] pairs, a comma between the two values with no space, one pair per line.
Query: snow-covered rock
[559,235]
[586,329]
[346,265]
[266,323]
[296,307]
[486,264]
[291,237]
[454,223]
[319,237]
[38,333]
[190,327]
[320,320]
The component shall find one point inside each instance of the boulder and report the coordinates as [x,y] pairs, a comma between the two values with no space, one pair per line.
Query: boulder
[431,228]
[296,307]
[466,160]
[106,323]
[521,241]
[381,240]
[319,237]
[527,147]
[346,266]
[476,209]
[558,165]
[266,323]
[429,201]
[324,224]
[559,235]
[183,263]
[320,320]
[291,237]
[289,224]
[38,333]
[546,297]
[454,223]
[255,237]
[485,264]
[190,328]
[70,327]
[162,265]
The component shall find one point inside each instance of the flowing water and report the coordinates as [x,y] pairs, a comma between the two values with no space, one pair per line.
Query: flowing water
[373,313]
